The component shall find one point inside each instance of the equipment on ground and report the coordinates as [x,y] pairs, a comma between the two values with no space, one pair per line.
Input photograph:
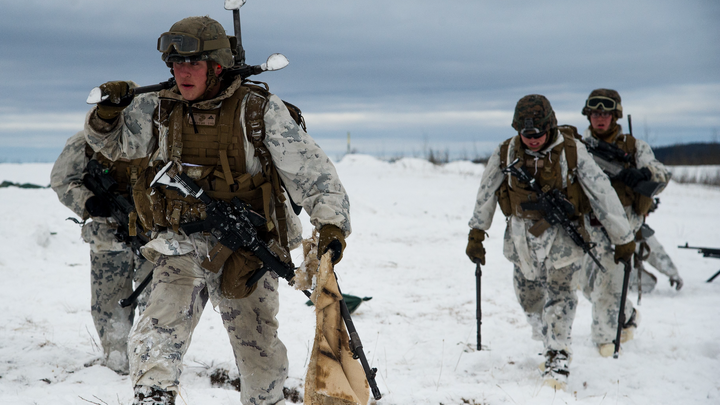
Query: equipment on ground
[706,252]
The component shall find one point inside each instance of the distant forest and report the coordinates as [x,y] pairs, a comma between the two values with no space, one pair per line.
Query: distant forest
[689,154]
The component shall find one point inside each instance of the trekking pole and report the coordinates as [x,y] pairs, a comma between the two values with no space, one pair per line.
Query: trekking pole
[621,313]
[478,295]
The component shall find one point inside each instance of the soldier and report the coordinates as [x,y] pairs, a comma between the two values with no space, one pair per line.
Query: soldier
[604,289]
[234,139]
[113,264]
[545,258]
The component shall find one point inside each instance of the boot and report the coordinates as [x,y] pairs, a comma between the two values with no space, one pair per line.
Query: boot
[556,370]
[153,396]
[628,331]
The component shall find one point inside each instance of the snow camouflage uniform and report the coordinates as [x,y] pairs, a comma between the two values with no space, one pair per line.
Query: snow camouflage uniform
[544,264]
[113,265]
[604,289]
[181,287]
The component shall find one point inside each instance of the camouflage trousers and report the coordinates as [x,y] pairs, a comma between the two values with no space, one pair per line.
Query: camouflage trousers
[113,268]
[603,289]
[549,303]
[180,291]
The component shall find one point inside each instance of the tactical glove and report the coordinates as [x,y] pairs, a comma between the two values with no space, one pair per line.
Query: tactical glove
[475,250]
[677,282]
[632,176]
[624,252]
[331,237]
[96,207]
[119,97]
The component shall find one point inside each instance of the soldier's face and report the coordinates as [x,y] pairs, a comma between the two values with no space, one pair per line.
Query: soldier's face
[191,78]
[600,120]
[534,144]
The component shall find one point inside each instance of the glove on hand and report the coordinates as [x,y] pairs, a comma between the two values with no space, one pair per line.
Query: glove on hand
[677,282]
[331,237]
[624,252]
[97,207]
[119,97]
[475,250]
[632,176]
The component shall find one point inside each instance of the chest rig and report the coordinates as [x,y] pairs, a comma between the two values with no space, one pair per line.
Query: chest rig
[209,144]
[126,173]
[547,172]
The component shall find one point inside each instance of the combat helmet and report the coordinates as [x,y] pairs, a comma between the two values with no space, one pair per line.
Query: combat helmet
[194,39]
[603,99]
[534,115]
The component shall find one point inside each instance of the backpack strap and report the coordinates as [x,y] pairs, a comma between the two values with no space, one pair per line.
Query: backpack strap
[255,131]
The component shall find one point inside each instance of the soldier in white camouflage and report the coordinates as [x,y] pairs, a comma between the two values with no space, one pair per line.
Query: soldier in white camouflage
[543,255]
[234,139]
[113,264]
[603,108]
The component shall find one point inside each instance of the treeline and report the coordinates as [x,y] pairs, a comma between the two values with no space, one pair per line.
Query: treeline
[689,154]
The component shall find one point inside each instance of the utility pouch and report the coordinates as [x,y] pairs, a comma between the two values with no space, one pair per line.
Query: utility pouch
[539,228]
[238,269]
[504,200]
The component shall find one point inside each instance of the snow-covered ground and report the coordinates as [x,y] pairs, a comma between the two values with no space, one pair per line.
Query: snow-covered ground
[407,251]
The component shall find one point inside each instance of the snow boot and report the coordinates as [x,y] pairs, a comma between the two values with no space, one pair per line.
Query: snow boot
[153,396]
[556,370]
[628,331]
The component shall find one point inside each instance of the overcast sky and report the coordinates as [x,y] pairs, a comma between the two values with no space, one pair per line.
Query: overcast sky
[401,76]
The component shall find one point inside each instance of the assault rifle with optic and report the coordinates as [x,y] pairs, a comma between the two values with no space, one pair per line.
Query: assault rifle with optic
[706,252]
[233,224]
[612,159]
[97,179]
[555,209]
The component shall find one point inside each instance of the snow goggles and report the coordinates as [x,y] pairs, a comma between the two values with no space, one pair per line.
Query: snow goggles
[530,131]
[600,102]
[186,44]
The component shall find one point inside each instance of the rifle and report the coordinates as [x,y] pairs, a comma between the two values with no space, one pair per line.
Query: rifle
[554,207]
[706,252]
[274,62]
[612,159]
[233,224]
[97,179]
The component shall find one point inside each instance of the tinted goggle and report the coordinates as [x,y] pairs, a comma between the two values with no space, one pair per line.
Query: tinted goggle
[186,44]
[600,102]
[530,131]
[533,133]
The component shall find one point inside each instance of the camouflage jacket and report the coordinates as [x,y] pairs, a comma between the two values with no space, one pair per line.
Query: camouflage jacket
[644,157]
[308,174]
[553,248]
[66,180]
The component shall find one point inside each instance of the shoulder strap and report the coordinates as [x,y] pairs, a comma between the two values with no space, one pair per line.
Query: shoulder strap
[255,130]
